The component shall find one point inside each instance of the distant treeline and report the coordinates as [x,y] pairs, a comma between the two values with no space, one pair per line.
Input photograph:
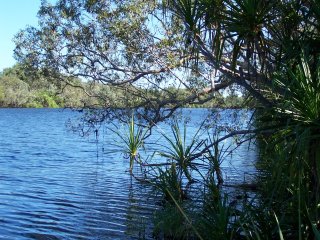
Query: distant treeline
[18,89]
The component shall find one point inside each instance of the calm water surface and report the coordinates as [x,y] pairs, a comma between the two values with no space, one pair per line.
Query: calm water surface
[55,184]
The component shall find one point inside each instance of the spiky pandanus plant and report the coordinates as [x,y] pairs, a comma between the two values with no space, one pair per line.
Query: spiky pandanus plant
[180,152]
[132,141]
[293,150]
[299,113]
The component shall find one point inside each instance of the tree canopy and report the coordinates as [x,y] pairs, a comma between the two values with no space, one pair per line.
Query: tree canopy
[138,45]
[202,46]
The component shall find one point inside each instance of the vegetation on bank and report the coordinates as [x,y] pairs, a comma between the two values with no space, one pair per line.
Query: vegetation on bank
[20,89]
[17,89]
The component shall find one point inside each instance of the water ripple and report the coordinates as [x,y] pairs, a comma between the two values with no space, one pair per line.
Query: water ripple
[57,185]
[52,186]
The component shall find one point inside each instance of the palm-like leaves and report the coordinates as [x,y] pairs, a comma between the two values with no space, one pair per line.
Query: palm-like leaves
[247,17]
[300,101]
[132,141]
[242,18]
[180,152]
[297,117]
[302,97]
[244,21]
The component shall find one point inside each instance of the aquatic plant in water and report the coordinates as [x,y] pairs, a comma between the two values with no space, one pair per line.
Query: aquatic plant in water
[132,141]
[180,152]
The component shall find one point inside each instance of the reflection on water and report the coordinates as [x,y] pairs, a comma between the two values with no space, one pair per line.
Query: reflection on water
[53,185]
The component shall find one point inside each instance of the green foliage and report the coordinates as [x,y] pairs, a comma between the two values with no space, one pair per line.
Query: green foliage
[19,89]
[169,184]
[180,152]
[214,216]
[34,104]
[2,94]
[15,92]
[291,158]
[171,224]
[187,213]
[132,141]
[45,99]
[130,47]
[37,91]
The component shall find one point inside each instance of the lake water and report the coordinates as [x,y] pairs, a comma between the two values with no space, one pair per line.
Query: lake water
[55,184]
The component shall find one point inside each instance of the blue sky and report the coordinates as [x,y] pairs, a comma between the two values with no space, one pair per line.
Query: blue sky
[14,15]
